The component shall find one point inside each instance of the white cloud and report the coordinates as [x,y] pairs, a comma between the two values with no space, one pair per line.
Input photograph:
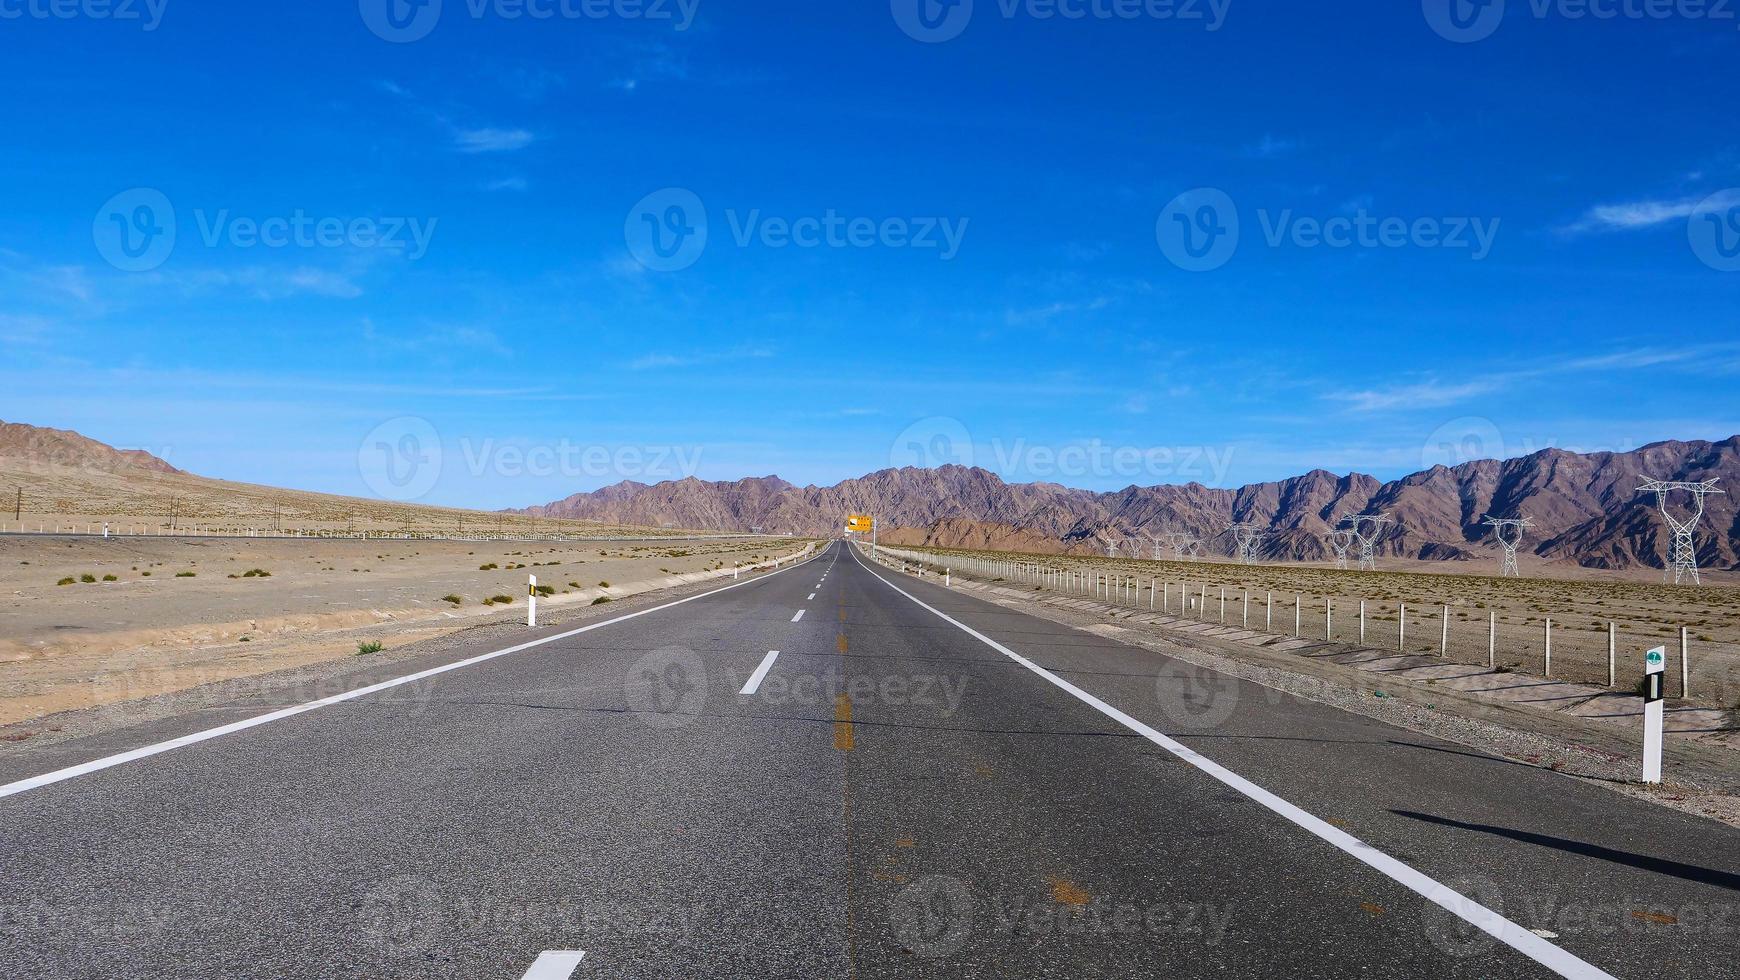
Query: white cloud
[490,140]
[1425,394]
[506,184]
[1634,215]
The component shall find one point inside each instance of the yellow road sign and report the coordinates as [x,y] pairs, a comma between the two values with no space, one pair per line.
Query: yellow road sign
[860,523]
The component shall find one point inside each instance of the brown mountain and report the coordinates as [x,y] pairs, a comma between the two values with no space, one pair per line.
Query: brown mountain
[1584,506]
[60,447]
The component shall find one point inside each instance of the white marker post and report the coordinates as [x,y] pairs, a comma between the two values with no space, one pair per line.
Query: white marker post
[1654,674]
[532,601]
[948,578]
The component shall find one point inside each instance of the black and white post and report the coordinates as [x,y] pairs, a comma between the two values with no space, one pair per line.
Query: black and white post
[1654,675]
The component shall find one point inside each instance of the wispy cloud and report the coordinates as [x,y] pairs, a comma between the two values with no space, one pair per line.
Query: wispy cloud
[1050,311]
[1434,393]
[663,360]
[1424,394]
[1270,147]
[490,140]
[506,184]
[1634,215]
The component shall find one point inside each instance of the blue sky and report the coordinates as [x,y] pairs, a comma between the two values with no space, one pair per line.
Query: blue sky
[1537,217]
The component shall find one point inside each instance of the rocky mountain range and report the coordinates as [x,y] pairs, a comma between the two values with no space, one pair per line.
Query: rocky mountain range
[1585,508]
[63,447]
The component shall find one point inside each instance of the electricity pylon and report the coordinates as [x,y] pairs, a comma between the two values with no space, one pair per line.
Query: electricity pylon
[1111,541]
[1516,526]
[1368,539]
[1248,538]
[1183,544]
[1683,559]
[1340,540]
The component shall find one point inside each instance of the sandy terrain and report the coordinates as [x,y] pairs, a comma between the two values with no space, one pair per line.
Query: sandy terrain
[156,628]
[1646,614]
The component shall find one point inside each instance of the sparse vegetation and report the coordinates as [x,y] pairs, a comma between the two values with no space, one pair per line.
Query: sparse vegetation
[490,567]
[185,574]
[601,600]
[367,647]
[66,581]
[456,600]
[87,578]
[500,599]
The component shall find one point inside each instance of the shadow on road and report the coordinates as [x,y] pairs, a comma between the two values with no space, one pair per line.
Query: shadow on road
[1689,872]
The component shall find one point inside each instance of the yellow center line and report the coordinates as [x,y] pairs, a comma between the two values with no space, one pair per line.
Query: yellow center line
[843,723]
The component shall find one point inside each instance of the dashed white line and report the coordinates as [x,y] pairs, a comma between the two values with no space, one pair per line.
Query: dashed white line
[755,679]
[555,964]
[800,615]
[812,596]
[1479,916]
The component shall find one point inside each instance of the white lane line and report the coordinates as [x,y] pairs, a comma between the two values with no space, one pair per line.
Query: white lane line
[1493,924]
[812,596]
[145,752]
[800,615]
[555,964]
[760,673]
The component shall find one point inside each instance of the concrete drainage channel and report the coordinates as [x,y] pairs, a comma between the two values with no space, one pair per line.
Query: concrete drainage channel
[1574,729]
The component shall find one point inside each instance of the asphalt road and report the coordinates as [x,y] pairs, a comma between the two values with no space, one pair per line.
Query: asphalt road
[918,784]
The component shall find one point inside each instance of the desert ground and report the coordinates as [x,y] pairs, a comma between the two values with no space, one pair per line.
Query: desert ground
[93,622]
[1643,614]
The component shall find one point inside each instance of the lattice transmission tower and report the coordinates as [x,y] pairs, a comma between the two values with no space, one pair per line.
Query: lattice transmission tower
[1683,558]
[1183,544]
[1367,530]
[1340,541]
[1247,538]
[1111,541]
[1510,535]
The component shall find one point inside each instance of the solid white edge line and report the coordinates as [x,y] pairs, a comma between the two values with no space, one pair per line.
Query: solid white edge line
[145,752]
[760,673]
[1493,924]
[800,615]
[555,964]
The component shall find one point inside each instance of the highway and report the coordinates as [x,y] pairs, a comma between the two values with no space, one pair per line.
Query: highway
[836,771]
